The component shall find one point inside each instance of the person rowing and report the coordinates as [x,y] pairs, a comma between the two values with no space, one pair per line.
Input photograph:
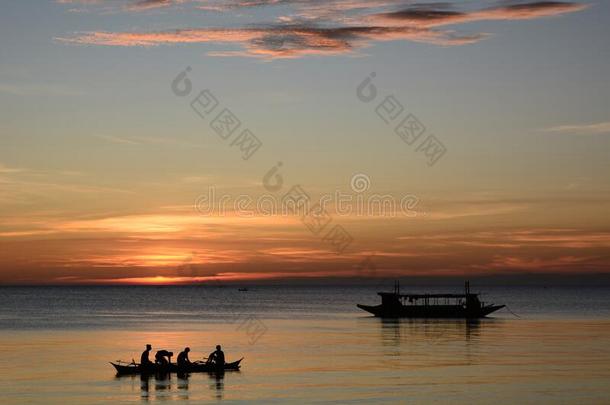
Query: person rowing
[183,358]
[163,357]
[217,357]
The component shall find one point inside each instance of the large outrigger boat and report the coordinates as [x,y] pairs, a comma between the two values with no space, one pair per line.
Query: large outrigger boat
[397,305]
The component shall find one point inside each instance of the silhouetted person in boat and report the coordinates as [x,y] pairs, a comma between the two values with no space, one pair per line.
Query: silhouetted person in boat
[163,357]
[144,361]
[183,358]
[217,357]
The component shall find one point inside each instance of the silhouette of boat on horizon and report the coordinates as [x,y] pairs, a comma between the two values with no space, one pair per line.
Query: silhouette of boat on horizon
[397,305]
[123,368]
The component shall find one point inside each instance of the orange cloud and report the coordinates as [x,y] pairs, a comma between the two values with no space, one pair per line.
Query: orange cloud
[285,42]
[337,27]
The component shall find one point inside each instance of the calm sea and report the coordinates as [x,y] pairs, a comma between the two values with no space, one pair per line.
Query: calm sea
[303,344]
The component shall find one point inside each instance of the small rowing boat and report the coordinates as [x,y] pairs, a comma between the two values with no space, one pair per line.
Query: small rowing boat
[123,368]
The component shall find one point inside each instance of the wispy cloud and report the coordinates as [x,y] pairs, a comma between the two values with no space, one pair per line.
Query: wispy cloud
[7,169]
[150,4]
[142,140]
[106,6]
[35,89]
[328,28]
[25,185]
[521,238]
[582,129]
[117,139]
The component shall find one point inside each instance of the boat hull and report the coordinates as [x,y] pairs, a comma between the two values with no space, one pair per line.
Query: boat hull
[434,311]
[131,369]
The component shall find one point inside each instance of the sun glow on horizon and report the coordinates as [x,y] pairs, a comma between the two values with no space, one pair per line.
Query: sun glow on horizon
[181,280]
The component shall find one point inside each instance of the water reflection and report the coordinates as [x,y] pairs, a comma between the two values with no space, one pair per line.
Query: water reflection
[144,387]
[163,382]
[396,332]
[165,386]
[183,385]
[218,383]
[430,342]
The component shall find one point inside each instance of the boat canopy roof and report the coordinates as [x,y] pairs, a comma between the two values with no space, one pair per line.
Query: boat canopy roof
[422,296]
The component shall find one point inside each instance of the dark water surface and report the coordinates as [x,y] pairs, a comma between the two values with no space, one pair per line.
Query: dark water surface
[302,344]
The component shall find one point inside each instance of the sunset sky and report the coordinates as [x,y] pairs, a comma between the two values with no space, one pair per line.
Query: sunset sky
[106,168]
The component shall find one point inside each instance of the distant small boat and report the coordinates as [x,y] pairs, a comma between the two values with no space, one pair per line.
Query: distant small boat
[242,289]
[397,305]
[123,368]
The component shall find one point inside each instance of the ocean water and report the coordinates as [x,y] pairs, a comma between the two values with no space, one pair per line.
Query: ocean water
[303,344]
